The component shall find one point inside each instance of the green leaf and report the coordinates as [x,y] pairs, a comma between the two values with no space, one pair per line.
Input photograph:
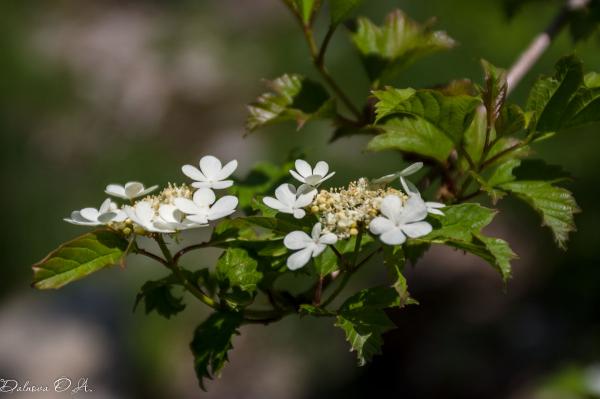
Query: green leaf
[452,115]
[511,120]
[494,91]
[326,263]
[461,227]
[555,204]
[78,258]
[501,254]
[584,108]
[412,135]
[363,320]
[502,174]
[461,221]
[474,140]
[394,259]
[236,268]
[311,310]
[158,296]
[212,341]
[550,96]
[342,9]
[306,8]
[387,50]
[292,97]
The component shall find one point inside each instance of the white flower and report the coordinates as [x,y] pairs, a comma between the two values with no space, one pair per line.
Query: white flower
[203,208]
[434,207]
[411,190]
[144,215]
[410,170]
[289,201]
[129,191]
[211,173]
[399,221]
[170,217]
[308,246]
[311,178]
[108,212]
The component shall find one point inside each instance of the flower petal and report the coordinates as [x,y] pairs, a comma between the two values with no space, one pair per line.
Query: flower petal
[220,185]
[186,206]
[299,213]
[167,213]
[200,219]
[227,170]
[204,197]
[299,259]
[303,168]
[327,177]
[419,229]
[321,168]
[380,225]
[411,169]
[147,191]
[105,206]
[90,214]
[316,232]
[305,199]
[391,207]
[297,176]
[106,217]
[193,173]
[393,237]
[210,167]
[274,204]
[116,190]
[225,206]
[297,240]
[133,188]
[328,239]
[434,211]
[415,210]
[286,194]
[144,211]
[318,249]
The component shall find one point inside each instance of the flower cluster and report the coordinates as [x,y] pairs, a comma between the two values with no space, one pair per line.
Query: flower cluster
[343,211]
[389,213]
[175,208]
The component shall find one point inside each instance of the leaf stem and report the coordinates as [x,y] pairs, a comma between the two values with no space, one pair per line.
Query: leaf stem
[347,276]
[318,58]
[321,57]
[178,272]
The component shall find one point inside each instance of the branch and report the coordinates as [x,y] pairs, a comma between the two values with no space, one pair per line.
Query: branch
[541,42]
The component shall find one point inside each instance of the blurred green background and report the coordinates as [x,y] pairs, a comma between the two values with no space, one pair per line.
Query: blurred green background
[93,93]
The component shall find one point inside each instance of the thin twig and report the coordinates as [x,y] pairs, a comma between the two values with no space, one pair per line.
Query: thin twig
[541,42]
[321,57]
[150,255]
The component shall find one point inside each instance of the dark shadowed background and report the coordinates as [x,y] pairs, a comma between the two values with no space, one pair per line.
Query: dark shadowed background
[93,93]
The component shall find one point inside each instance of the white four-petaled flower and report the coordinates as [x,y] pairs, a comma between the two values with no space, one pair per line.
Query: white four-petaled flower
[400,220]
[307,246]
[211,173]
[108,212]
[311,177]
[129,191]
[144,215]
[412,191]
[203,208]
[288,200]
